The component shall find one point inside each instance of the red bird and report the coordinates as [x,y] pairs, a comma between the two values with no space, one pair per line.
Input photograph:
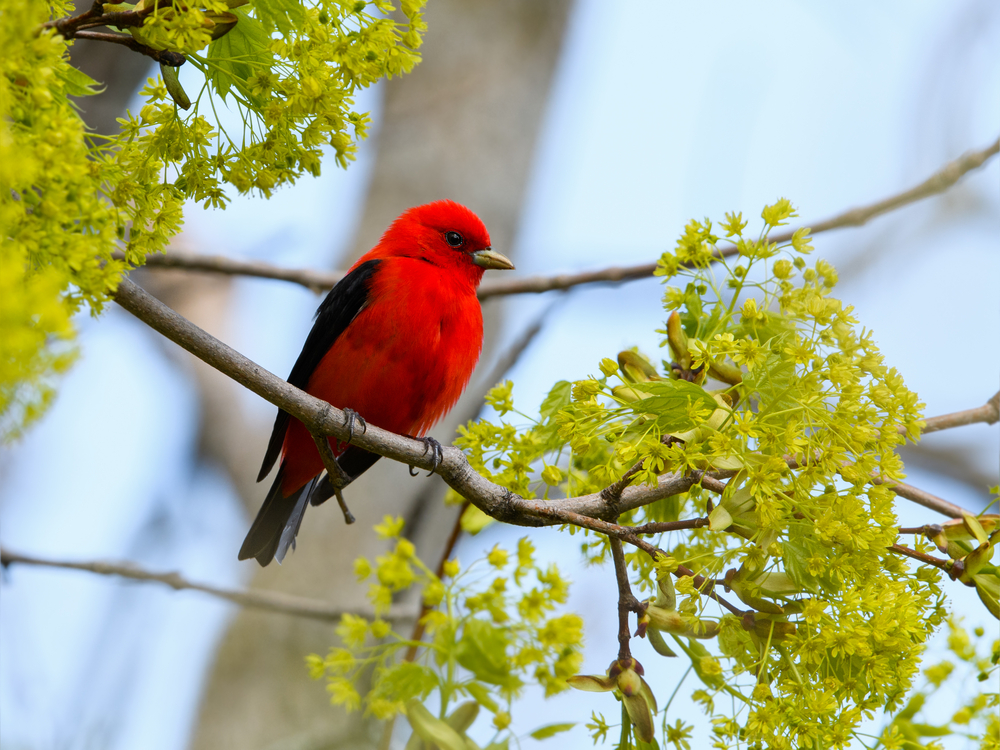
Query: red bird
[394,342]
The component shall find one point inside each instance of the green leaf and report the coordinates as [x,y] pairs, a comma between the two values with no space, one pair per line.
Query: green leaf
[463,716]
[988,587]
[432,729]
[285,15]
[550,730]
[482,694]
[672,401]
[659,645]
[795,557]
[591,683]
[474,520]
[235,57]
[719,519]
[483,651]
[404,681]
[78,83]
[558,398]
[695,651]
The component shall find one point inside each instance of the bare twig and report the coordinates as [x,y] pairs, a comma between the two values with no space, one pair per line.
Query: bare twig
[944,565]
[940,181]
[907,491]
[165,56]
[316,281]
[626,600]
[988,413]
[922,497]
[659,527]
[272,601]
[449,547]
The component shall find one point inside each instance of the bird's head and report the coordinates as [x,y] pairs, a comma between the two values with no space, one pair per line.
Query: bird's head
[445,234]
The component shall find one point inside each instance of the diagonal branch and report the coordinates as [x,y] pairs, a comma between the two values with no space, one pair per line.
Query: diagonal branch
[940,181]
[271,601]
[322,419]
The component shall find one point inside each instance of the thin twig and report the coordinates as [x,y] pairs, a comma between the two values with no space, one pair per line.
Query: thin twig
[707,586]
[921,497]
[449,547]
[165,56]
[316,281]
[626,600]
[940,181]
[906,491]
[271,601]
[988,413]
[660,527]
[944,565]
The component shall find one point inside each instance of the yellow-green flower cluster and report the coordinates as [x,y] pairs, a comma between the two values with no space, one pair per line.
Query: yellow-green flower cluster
[964,699]
[493,627]
[56,232]
[69,200]
[771,381]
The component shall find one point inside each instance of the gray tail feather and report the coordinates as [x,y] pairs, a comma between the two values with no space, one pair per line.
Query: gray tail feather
[273,530]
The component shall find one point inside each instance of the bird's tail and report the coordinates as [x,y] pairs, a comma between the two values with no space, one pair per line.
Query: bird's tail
[277,522]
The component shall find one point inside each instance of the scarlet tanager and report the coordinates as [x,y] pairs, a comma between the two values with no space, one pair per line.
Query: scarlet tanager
[395,342]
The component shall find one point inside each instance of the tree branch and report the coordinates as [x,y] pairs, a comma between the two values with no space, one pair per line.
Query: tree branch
[922,497]
[320,418]
[271,601]
[165,56]
[988,413]
[626,600]
[187,260]
[317,281]
[589,511]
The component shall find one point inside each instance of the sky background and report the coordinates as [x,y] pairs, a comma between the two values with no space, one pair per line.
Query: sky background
[660,112]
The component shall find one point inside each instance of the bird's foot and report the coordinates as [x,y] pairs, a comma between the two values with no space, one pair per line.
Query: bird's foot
[348,516]
[437,454]
[351,420]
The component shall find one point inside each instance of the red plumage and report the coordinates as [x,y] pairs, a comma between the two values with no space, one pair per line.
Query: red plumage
[396,341]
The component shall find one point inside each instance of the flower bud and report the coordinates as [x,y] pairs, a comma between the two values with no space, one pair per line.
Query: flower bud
[678,341]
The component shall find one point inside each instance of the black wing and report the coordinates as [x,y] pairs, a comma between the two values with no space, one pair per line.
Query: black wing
[335,313]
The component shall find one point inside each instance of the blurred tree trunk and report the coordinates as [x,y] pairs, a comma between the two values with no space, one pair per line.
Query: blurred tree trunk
[463,125]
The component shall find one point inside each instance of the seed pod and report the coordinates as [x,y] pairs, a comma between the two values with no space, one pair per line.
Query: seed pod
[678,341]
[174,88]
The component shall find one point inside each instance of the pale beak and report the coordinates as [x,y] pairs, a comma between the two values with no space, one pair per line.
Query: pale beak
[490,258]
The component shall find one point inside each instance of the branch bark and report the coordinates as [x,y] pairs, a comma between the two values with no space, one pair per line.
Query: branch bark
[988,413]
[271,601]
[317,281]
[320,418]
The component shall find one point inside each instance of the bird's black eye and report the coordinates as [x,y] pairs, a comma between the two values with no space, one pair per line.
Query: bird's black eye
[454,239]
